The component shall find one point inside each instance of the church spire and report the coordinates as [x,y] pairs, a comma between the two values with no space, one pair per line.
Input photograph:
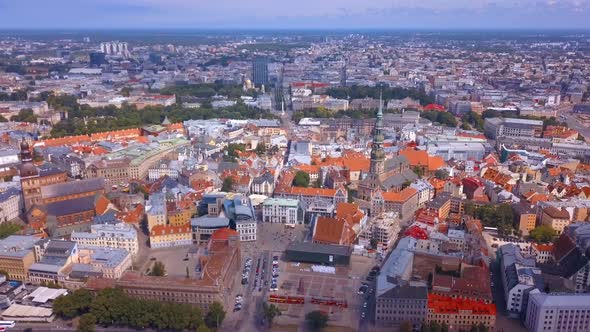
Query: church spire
[377,152]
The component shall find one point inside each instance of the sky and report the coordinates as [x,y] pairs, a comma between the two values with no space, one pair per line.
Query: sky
[295,14]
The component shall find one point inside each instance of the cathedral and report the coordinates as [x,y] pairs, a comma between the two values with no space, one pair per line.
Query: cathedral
[386,176]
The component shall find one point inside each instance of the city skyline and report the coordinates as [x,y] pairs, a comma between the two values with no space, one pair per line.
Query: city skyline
[305,14]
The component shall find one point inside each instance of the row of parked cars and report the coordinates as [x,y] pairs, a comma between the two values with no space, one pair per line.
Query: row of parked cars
[238,304]
[246,271]
[275,274]
[364,288]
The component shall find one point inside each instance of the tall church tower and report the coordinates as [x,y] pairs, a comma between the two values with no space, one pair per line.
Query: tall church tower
[377,153]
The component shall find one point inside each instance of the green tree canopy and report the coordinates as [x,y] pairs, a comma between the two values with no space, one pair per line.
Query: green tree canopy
[87,323]
[228,184]
[7,229]
[543,234]
[26,115]
[441,174]
[72,306]
[215,315]
[317,319]
[158,270]
[112,307]
[301,179]
[269,312]
[444,118]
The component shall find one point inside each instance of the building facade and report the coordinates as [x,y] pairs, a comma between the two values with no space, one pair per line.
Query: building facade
[282,210]
[402,304]
[558,312]
[119,236]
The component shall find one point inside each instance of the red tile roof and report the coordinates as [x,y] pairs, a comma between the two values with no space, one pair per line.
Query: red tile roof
[223,234]
[441,304]
[170,229]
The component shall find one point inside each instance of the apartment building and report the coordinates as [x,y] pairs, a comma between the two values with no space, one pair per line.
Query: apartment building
[120,236]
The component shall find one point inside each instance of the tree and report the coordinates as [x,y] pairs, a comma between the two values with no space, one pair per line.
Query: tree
[374,243]
[215,315]
[317,319]
[269,312]
[543,234]
[228,184]
[465,126]
[434,327]
[261,149]
[126,91]
[25,115]
[301,179]
[73,305]
[482,328]
[203,328]
[441,174]
[444,327]
[406,326]
[469,208]
[87,323]
[419,171]
[158,270]
[7,229]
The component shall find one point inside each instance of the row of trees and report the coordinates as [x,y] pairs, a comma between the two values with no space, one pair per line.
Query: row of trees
[361,91]
[87,120]
[444,118]
[436,327]
[208,90]
[322,112]
[111,307]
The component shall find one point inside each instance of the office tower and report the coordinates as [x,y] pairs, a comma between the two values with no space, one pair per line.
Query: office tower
[97,59]
[260,71]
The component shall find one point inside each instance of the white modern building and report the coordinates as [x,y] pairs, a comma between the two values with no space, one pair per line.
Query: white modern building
[120,236]
[282,210]
[558,312]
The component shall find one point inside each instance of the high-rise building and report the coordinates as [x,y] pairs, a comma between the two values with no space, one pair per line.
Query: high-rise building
[115,48]
[97,59]
[260,71]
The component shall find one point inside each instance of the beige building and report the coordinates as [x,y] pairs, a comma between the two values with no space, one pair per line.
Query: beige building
[219,263]
[525,218]
[119,236]
[115,172]
[556,218]
[17,254]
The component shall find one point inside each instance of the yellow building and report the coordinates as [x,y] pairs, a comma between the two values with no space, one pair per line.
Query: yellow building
[164,236]
[17,254]
[180,217]
[526,218]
